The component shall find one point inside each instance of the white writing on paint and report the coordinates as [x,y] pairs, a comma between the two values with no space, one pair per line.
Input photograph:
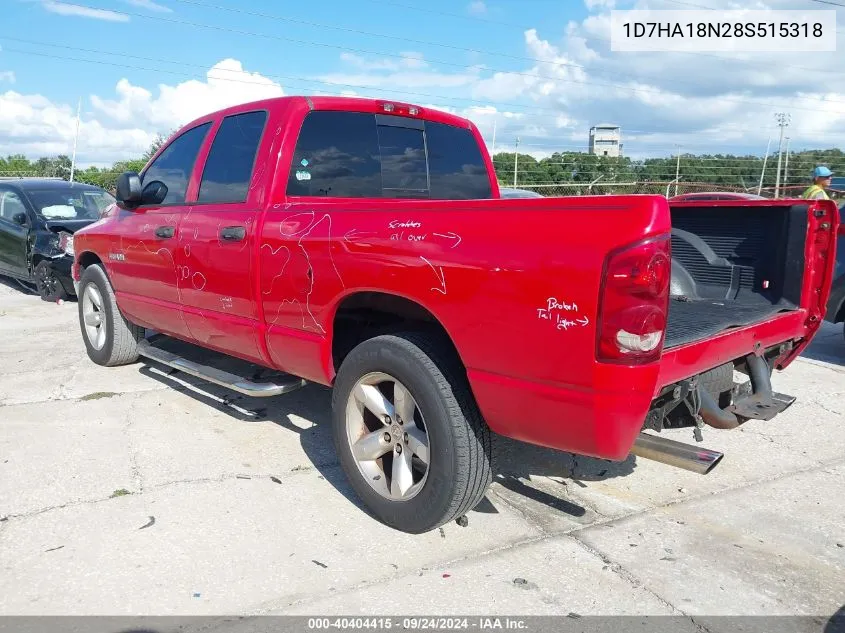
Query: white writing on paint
[555,311]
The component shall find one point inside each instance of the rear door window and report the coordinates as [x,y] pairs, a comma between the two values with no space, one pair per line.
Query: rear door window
[337,156]
[228,169]
[174,165]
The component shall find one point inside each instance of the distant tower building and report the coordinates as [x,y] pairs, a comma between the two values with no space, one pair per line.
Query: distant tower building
[606,140]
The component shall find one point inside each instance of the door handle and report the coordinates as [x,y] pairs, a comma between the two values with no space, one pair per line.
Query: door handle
[165,231]
[233,233]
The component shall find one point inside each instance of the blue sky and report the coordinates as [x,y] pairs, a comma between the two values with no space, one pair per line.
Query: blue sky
[540,70]
[151,31]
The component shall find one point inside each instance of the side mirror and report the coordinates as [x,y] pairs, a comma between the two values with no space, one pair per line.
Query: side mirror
[128,190]
[154,192]
[19,218]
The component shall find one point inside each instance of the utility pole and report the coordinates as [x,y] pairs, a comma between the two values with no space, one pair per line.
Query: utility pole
[493,148]
[786,166]
[678,170]
[765,160]
[783,121]
[515,160]
[75,139]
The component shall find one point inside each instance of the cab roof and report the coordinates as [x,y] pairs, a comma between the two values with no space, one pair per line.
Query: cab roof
[346,104]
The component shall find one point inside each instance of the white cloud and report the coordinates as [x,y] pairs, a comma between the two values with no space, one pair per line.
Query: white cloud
[226,84]
[477,7]
[35,126]
[7,75]
[405,60]
[407,70]
[123,126]
[65,8]
[150,5]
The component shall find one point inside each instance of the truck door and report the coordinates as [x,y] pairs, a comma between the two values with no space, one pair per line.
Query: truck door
[13,234]
[142,257]
[217,237]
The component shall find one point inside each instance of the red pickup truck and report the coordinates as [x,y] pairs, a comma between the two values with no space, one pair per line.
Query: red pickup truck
[363,244]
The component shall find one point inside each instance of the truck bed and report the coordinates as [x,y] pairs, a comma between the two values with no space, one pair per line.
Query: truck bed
[732,267]
[691,321]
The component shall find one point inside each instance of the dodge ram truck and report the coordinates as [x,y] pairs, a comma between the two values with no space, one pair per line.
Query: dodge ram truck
[362,244]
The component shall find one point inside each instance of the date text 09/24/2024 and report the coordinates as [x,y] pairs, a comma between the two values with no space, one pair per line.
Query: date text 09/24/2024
[419,623]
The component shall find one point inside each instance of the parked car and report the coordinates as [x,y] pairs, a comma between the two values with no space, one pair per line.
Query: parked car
[363,244]
[836,303]
[715,195]
[38,217]
[512,192]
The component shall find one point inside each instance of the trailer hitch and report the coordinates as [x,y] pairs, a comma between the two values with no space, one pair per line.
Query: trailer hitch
[755,399]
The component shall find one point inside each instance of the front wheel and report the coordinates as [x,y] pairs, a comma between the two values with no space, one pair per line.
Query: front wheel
[408,432]
[47,283]
[110,339]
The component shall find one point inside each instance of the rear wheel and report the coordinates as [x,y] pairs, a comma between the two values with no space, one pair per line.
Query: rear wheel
[110,339]
[409,435]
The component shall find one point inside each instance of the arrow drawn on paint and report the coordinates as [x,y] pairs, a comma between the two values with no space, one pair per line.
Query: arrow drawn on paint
[350,236]
[441,277]
[450,236]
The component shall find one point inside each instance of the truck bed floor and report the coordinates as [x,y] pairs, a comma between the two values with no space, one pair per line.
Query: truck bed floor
[698,319]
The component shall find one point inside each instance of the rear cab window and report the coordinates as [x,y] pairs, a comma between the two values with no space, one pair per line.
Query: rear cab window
[363,155]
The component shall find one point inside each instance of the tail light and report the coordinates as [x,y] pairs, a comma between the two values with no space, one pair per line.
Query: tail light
[634,302]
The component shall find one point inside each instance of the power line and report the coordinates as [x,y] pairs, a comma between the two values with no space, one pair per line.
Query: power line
[575,81]
[835,4]
[384,35]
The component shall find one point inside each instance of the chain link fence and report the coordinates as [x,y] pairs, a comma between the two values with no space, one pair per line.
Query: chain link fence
[662,188]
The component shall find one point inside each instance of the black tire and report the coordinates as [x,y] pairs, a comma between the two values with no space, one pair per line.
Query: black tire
[461,451]
[718,383]
[122,337]
[47,283]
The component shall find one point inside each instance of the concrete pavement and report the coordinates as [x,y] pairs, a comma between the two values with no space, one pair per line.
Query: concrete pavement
[122,492]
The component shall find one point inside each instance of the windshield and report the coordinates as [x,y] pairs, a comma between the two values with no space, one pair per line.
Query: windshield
[69,204]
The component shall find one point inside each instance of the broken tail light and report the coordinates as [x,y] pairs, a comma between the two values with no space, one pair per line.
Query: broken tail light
[634,302]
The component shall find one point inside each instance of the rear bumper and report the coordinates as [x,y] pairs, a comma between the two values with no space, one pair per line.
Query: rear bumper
[605,419]
[588,422]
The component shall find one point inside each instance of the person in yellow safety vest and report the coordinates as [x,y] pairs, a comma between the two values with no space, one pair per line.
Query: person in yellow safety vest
[821,181]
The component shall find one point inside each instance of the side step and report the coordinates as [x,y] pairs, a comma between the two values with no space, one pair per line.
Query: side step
[218,376]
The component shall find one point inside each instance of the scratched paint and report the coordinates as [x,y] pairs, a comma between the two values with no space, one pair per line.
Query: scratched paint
[297,268]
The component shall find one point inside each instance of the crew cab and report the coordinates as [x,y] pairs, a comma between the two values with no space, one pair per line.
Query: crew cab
[363,244]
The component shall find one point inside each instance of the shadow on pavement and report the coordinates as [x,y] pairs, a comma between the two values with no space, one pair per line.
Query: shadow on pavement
[828,346]
[517,463]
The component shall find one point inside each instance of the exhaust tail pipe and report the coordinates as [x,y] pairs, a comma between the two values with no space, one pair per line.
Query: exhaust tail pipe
[686,456]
